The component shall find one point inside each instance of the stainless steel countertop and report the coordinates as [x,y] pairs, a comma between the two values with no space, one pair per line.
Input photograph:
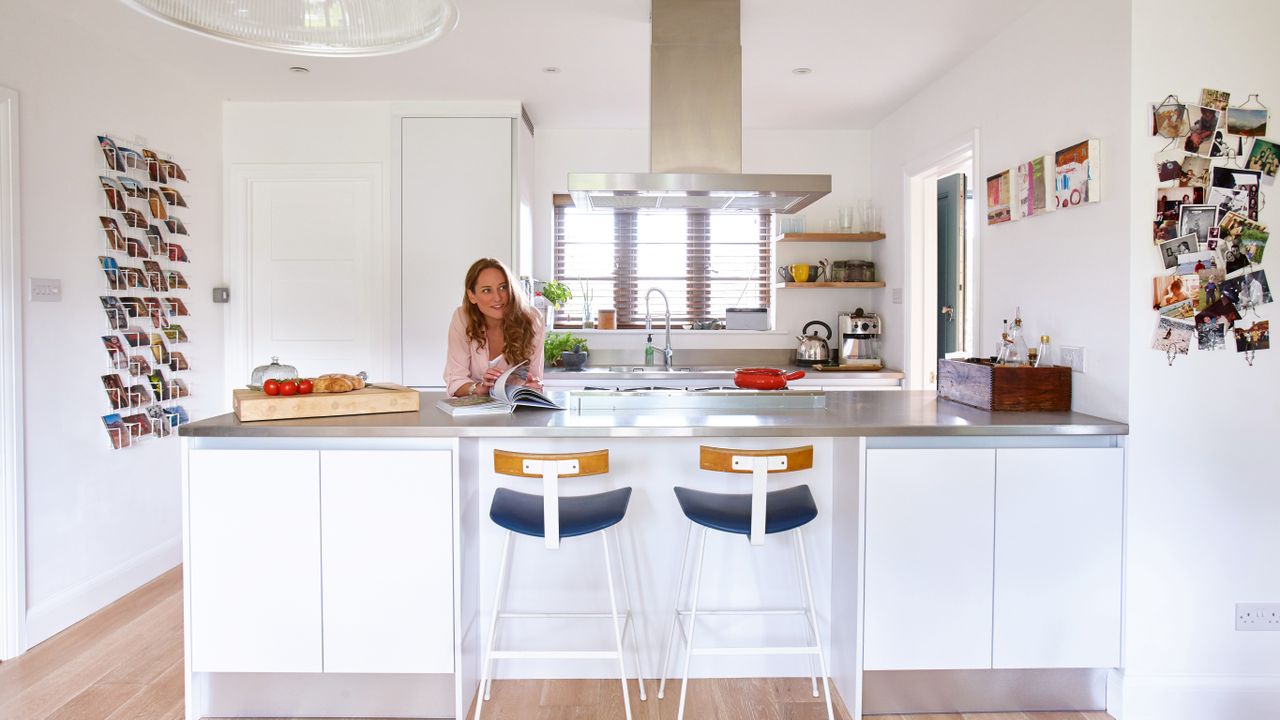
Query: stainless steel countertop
[603,374]
[847,414]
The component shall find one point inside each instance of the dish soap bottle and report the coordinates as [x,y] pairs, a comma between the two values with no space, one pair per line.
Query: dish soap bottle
[648,351]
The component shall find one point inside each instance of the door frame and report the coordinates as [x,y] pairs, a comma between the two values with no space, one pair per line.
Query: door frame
[13,576]
[920,190]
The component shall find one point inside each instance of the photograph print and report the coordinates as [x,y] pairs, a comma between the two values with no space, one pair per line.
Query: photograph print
[1216,99]
[1204,122]
[1169,166]
[1247,291]
[1235,190]
[1172,336]
[1255,337]
[1171,249]
[1265,158]
[1195,171]
[1170,120]
[1196,220]
[1249,122]
[1211,334]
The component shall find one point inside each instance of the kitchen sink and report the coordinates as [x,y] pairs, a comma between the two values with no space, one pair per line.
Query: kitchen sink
[644,369]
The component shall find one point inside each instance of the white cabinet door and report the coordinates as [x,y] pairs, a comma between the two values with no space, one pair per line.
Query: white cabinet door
[928,559]
[255,560]
[456,207]
[387,538]
[1057,557]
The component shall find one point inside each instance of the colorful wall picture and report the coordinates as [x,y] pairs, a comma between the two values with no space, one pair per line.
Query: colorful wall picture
[1255,337]
[1077,176]
[1249,122]
[999,198]
[1264,157]
[1216,99]
[1035,186]
[1170,120]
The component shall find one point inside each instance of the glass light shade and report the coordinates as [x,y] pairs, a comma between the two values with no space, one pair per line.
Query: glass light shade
[342,28]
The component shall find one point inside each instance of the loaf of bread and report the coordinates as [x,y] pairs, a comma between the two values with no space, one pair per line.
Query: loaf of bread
[336,383]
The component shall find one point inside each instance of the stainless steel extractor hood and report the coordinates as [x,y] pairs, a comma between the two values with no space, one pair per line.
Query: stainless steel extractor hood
[695,128]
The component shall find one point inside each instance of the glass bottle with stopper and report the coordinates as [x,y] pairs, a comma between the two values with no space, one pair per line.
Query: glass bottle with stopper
[1042,353]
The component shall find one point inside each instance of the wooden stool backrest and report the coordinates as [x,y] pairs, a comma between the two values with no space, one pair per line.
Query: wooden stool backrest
[718,459]
[550,467]
[758,464]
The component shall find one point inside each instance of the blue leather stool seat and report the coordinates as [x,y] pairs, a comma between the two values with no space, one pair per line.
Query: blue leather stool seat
[579,515]
[785,509]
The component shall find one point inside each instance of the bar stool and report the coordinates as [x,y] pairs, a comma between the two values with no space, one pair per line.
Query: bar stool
[554,517]
[755,515]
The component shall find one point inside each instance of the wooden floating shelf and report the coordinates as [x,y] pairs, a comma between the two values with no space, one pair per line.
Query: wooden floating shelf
[830,237]
[781,286]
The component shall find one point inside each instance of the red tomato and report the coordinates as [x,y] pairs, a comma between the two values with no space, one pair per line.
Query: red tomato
[271,387]
[305,387]
[288,387]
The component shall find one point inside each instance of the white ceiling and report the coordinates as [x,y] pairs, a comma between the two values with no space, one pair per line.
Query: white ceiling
[868,57]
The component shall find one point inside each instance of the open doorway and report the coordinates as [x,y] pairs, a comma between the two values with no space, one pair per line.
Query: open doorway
[942,268]
[12,508]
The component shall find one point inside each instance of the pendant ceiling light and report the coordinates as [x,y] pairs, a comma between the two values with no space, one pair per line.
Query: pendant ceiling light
[339,28]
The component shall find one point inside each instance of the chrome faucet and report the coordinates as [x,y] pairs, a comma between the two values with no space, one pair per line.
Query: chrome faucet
[667,352]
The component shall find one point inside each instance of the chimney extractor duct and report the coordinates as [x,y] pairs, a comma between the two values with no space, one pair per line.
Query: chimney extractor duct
[695,125]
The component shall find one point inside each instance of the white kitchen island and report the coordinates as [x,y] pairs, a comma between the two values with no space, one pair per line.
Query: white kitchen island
[342,566]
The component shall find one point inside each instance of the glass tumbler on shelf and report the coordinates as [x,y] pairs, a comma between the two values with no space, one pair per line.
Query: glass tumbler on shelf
[846,219]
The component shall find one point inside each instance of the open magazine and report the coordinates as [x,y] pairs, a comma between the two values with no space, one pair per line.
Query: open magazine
[504,398]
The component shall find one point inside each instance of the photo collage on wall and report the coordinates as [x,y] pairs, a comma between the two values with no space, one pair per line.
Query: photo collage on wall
[1210,178]
[144,259]
[1043,184]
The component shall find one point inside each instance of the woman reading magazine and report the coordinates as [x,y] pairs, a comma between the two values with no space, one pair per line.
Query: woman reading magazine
[494,330]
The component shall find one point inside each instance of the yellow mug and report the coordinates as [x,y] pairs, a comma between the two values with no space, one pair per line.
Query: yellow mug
[800,272]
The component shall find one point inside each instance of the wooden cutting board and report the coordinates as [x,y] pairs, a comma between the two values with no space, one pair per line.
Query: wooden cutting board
[250,405]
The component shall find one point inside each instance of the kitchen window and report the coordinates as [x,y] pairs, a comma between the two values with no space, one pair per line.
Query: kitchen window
[703,262]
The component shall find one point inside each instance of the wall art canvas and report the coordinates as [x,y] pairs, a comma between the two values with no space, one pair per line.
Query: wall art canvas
[1000,207]
[1035,186]
[1077,174]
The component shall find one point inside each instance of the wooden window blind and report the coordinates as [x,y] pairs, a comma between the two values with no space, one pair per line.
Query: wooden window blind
[704,263]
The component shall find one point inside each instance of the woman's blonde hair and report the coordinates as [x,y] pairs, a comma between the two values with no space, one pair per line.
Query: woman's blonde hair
[517,320]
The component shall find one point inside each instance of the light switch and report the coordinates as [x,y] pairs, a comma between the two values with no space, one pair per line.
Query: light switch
[46,290]
[221,295]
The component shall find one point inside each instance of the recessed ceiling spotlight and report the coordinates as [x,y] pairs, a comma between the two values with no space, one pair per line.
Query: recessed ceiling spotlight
[802,70]
[551,70]
[299,69]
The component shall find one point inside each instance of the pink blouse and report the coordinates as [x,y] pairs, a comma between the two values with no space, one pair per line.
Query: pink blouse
[467,360]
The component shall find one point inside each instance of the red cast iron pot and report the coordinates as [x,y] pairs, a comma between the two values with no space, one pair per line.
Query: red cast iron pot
[764,378]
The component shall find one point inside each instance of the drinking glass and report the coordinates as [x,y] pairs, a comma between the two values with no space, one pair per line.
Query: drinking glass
[846,218]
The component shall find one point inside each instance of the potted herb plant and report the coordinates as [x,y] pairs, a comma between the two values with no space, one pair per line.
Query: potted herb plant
[556,294]
[566,350]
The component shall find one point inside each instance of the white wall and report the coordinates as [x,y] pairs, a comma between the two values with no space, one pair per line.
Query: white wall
[99,521]
[1056,76]
[843,154]
[1203,496]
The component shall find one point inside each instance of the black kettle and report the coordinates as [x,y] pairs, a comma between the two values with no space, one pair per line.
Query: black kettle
[813,350]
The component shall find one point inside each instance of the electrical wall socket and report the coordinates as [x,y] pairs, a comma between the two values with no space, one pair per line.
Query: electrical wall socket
[897,296]
[46,290]
[1258,616]
[1072,357]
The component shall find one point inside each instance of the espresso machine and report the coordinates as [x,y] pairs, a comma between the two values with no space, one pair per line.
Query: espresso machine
[860,340]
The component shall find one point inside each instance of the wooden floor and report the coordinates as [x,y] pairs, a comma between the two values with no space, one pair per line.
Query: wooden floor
[125,663]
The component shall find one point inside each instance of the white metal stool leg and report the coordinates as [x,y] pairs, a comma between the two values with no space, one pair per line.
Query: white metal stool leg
[693,618]
[486,682]
[808,631]
[675,616]
[813,620]
[631,616]
[617,630]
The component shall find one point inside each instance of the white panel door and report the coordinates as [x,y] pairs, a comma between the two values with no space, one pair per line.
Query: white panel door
[255,560]
[1058,554]
[318,268]
[928,565]
[456,207]
[388,560]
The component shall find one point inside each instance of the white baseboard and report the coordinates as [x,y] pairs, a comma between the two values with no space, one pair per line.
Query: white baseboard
[80,601]
[1201,697]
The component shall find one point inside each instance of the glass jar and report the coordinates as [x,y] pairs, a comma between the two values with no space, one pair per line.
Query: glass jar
[861,271]
[274,371]
[606,319]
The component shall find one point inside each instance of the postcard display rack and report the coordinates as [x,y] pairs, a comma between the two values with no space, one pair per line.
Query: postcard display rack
[1212,164]
[142,256]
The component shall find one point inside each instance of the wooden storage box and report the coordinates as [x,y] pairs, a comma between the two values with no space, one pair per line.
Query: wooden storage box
[984,385]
